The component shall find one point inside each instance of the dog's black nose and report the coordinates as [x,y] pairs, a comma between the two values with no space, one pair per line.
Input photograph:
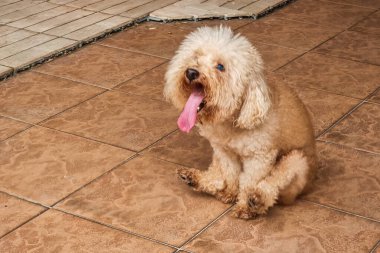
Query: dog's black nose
[192,74]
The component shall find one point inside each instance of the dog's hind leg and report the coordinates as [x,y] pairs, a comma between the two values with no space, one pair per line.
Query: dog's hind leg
[221,179]
[285,182]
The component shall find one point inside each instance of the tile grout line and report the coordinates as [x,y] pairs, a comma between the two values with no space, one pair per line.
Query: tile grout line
[11,117]
[165,160]
[7,23]
[347,4]
[30,126]
[348,30]
[15,195]
[312,49]
[54,37]
[363,101]
[96,178]
[349,147]
[346,58]
[322,90]
[23,223]
[99,86]
[22,8]
[100,141]
[47,208]
[338,3]
[69,133]
[133,51]
[140,6]
[153,143]
[136,76]
[49,56]
[60,24]
[207,226]
[343,58]
[11,3]
[340,210]
[183,250]
[136,20]
[372,102]
[69,108]
[361,20]
[340,119]
[70,79]
[101,11]
[377,245]
[115,228]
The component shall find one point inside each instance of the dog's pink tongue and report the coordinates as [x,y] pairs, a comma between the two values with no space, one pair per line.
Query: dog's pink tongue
[187,119]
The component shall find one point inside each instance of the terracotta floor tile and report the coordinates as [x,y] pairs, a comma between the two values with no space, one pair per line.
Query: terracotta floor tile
[33,97]
[146,197]
[332,74]
[325,108]
[54,231]
[121,119]
[303,227]
[150,37]
[190,150]
[159,38]
[369,25]
[347,179]
[9,127]
[14,212]
[324,13]
[358,130]
[375,4]
[287,33]
[149,84]
[46,165]
[276,56]
[353,45]
[99,65]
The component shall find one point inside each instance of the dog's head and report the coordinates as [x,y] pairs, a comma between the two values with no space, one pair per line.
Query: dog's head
[217,76]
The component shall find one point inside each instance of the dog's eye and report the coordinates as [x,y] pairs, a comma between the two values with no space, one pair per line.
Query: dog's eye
[220,67]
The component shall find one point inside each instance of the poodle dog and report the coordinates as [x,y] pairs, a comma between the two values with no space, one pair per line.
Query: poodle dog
[261,134]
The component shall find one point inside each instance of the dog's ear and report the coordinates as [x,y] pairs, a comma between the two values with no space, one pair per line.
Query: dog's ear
[256,104]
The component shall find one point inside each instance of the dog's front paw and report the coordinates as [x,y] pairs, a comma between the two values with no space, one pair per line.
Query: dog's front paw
[257,204]
[189,176]
[254,207]
[226,196]
[243,212]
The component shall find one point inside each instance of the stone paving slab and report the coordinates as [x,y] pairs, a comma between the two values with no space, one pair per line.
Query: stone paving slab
[14,37]
[27,57]
[41,16]
[29,28]
[5,70]
[194,9]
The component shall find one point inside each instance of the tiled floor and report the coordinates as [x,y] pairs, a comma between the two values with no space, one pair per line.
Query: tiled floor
[89,148]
